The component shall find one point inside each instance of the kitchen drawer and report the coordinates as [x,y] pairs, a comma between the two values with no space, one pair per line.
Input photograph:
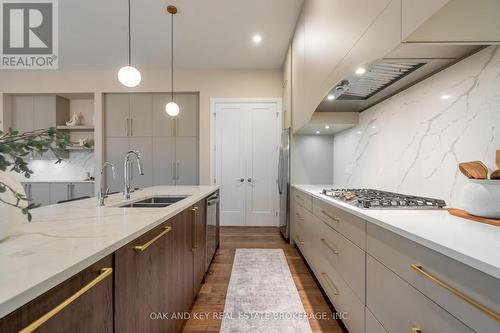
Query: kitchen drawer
[345,257]
[303,199]
[372,324]
[399,307]
[399,254]
[346,303]
[352,227]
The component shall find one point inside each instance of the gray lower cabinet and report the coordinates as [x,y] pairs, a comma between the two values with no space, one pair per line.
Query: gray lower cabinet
[37,193]
[67,191]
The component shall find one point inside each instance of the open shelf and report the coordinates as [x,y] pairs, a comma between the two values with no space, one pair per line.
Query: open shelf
[75,128]
[79,148]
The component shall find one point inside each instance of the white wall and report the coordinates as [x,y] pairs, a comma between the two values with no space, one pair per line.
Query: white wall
[210,84]
[312,159]
[412,143]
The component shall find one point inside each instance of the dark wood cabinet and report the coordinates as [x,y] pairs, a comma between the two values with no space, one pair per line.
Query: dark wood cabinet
[143,282]
[199,243]
[85,304]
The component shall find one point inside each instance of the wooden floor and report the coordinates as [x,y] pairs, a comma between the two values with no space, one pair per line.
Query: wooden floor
[213,293]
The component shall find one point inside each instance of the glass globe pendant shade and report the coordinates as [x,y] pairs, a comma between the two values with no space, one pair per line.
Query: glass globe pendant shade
[129,76]
[172,109]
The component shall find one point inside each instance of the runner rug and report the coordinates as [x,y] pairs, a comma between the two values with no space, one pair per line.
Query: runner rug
[262,296]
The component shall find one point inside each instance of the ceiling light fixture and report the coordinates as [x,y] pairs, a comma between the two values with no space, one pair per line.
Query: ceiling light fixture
[318,132]
[360,71]
[327,127]
[445,97]
[172,108]
[330,97]
[257,39]
[129,76]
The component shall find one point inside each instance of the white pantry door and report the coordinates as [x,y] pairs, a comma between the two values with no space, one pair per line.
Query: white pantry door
[245,159]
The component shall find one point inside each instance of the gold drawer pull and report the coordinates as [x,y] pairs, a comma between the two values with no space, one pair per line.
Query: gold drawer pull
[330,284]
[415,330]
[324,212]
[103,273]
[195,229]
[300,240]
[334,250]
[459,294]
[140,248]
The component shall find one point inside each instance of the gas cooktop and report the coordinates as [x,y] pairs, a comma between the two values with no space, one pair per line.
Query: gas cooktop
[374,199]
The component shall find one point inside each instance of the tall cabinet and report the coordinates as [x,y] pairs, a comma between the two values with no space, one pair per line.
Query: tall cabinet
[168,145]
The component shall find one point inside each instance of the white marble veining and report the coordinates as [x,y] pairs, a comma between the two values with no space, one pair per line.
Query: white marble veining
[471,243]
[74,168]
[412,143]
[64,239]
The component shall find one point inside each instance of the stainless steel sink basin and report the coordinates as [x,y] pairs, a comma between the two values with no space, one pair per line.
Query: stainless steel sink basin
[155,202]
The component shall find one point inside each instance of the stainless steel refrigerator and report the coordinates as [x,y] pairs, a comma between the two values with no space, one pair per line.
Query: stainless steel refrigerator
[284,183]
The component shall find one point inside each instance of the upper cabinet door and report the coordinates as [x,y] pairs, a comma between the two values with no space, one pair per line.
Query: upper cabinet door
[141,115]
[299,116]
[163,124]
[187,120]
[116,115]
[287,89]
[44,115]
[451,21]
[22,115]
[116,148]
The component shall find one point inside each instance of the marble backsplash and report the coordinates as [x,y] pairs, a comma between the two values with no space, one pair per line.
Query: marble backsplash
[74,168]
[412,143]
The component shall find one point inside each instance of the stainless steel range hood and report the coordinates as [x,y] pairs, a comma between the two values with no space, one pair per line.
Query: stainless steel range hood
[402,68]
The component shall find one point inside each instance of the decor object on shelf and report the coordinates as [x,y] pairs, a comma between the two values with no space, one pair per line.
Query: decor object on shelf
[172,108]
[14,147]
[128,75]
[75,120]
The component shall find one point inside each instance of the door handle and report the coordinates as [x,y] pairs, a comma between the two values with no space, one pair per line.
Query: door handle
[177,170]
[250,180]
[241,180]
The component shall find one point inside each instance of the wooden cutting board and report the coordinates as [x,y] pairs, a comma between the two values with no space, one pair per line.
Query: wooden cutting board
[465,215]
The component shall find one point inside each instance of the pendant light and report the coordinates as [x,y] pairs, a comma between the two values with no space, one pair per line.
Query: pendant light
[172,108]
[129,76]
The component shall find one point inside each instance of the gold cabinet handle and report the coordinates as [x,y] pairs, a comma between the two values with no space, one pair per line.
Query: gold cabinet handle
[415,330]
[195,228]
[420,269]
[324,212]
[103,273]
[300,240]
[334,250]
[330,284]
[140,248]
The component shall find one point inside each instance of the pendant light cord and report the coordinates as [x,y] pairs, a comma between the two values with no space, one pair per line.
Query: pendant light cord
[172,50]
[129,36]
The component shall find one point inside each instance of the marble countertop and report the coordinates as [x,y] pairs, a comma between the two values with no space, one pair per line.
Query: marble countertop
[471,243]
[64,239]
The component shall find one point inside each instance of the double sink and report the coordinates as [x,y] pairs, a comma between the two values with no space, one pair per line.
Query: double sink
[155,202]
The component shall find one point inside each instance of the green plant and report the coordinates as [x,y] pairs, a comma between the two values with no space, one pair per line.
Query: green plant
[15,147]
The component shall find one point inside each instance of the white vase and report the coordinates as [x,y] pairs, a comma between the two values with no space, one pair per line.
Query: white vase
[481,198]
[10,217]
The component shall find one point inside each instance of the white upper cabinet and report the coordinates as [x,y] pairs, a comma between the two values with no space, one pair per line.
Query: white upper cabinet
[451,21]
[300,115]
[141,115]
[117,111]
[287,89]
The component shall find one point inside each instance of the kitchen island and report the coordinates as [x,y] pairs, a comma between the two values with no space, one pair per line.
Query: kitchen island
[64,240]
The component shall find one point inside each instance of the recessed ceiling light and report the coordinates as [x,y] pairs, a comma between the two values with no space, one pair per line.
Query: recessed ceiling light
[330,97]
[360,71]
[327,126]
[445,97]
[257,39]
[359,132]
[318,132]
[374,126]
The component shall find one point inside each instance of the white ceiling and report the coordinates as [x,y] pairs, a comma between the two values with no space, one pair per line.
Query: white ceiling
[208,33]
